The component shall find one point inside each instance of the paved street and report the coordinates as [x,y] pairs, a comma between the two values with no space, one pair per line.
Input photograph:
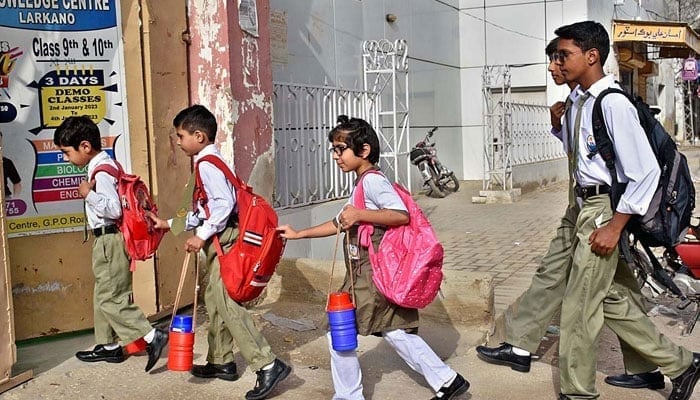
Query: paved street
[504,240]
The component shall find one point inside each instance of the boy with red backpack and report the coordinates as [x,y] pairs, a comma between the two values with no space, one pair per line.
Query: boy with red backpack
[115,314]
[355,148]
[215,223]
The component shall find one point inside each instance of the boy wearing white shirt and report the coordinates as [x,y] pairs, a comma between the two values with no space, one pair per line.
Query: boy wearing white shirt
[528,319]
[229,321]
[116,316]
[591,298]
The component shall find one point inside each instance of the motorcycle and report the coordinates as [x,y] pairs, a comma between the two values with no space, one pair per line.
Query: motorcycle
[676,272]
[439,179]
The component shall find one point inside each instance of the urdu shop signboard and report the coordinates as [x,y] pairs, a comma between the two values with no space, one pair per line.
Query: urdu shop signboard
[58,58]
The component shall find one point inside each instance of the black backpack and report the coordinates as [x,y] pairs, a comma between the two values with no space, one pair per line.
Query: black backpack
[668,216]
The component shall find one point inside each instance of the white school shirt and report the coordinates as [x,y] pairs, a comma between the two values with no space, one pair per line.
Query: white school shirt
[379,194]
[102,205]
[635,161]
[221,198]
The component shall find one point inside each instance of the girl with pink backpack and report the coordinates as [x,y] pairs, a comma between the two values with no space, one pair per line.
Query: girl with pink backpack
[355,148]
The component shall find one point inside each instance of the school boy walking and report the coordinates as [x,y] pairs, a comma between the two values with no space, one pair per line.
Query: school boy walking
[355,148]
[229,321]
[527,320]
[590,297]
[115,314]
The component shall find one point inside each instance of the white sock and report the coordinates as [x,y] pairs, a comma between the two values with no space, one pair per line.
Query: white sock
[111,346]
[150,335]
[448,383]
[520,352]
[268,366]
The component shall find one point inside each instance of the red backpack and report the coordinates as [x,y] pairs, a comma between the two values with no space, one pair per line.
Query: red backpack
[407,266]
[248,267]
[141,239]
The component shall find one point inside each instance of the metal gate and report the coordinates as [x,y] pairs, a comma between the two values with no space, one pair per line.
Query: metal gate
[303,115]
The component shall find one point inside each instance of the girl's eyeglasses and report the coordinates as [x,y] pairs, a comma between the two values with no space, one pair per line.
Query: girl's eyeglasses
[338,149]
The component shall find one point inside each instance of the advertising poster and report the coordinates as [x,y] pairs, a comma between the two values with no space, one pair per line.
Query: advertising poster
[58,58]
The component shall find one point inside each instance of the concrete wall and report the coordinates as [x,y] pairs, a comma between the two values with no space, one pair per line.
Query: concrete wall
[302,217]
[536,175]
[449,44]
[231,74]
[324,46]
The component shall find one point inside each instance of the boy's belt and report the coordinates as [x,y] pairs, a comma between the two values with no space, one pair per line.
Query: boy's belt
[97,232]
[590,191]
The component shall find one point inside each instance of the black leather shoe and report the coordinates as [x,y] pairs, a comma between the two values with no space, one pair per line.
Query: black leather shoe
[155,348]
[268,379]
[647,380]
[226,371]
[563,397]
[683,385]
[458,386]
[99,353]
[503,355]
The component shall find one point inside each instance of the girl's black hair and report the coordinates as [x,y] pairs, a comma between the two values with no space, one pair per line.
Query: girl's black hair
[74,130]
[197,118]
[355,132]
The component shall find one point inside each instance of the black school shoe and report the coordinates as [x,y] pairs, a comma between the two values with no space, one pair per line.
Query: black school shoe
[459,385]
[99,353]
[268,379]
[503,355]
[226,371]
[646,380]
[155,348]
[683,385]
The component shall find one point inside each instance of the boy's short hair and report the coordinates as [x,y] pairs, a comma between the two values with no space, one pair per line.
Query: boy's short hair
[587,35]
[355,132]
[551,48]
[75,130]
[197,118]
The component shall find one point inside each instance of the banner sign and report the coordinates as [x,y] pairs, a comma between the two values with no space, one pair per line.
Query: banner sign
[58,58]
[690,69]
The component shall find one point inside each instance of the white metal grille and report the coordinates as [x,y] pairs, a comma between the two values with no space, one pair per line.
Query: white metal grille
[385,66]
[303,115]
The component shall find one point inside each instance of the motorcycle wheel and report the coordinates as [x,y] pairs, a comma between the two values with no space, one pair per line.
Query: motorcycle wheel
[641,267]
[433,182]
[451,183]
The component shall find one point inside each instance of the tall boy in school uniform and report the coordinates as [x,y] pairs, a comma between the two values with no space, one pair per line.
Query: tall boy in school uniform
[527,321]
[115,314]
[591,298]
[196,129]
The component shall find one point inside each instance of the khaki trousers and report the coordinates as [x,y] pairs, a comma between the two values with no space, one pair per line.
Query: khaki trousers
[228,320]
[528,318]
[591,297]
[115,315]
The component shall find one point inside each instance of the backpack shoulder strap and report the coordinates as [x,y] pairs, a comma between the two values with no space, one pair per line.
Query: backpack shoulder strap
[359,193]
[221,165]
[365,230]
[115,172]
[603,142]
[200,195]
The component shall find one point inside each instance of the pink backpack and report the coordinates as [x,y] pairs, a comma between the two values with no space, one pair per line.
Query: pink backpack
[407,266]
